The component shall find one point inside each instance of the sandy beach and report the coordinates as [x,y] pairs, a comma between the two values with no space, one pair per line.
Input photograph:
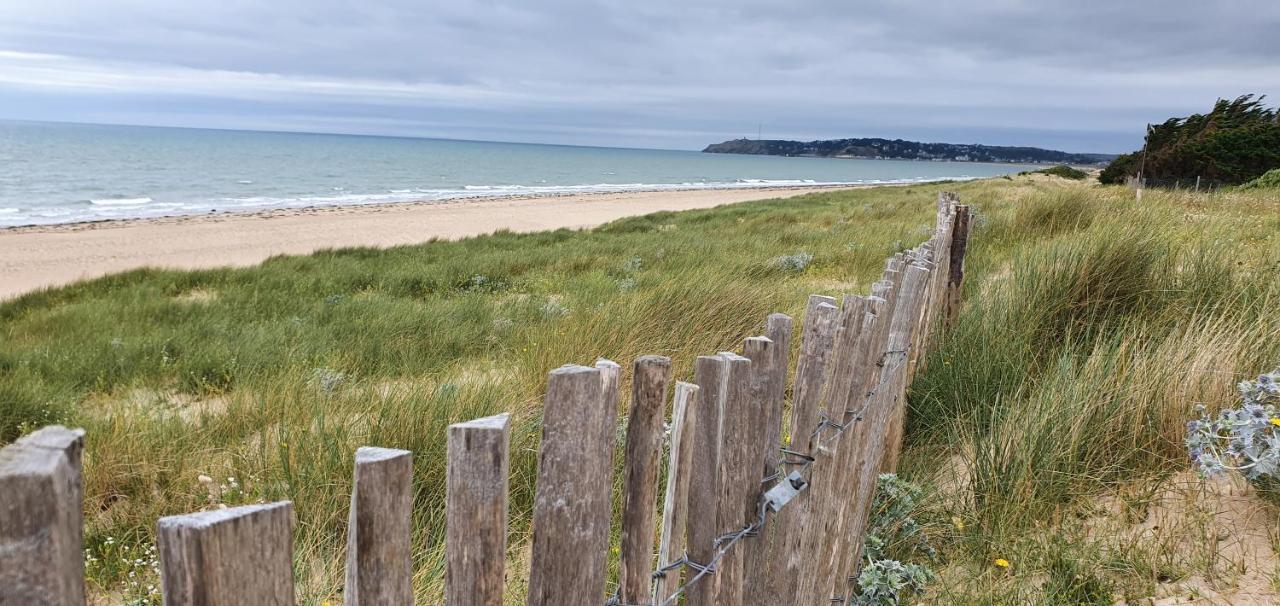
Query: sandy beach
[37,257]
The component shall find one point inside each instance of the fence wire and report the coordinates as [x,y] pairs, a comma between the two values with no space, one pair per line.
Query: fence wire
[726,542]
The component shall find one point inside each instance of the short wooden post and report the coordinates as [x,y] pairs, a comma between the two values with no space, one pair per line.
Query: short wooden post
[379,529]
[476,511]
[710,373]
[640,487]
[241,555]
[955,274]
[675,504]
[572,497]
[41,520]
[739,472]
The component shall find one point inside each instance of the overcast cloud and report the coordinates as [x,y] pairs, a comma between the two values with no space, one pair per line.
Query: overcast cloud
[1080,76]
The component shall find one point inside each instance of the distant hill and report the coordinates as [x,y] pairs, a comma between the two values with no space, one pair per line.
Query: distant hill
[897,149]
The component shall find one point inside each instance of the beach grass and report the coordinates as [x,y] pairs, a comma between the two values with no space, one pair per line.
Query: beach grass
[1092,326]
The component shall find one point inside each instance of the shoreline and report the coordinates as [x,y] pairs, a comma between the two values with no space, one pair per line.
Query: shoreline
[316,209]
[44,256]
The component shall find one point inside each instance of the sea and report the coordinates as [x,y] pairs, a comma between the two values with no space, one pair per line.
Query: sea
[52,173]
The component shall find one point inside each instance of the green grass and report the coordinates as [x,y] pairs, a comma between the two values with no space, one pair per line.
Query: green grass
[1091,327]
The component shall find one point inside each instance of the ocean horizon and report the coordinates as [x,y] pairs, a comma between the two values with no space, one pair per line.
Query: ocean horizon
[57,172]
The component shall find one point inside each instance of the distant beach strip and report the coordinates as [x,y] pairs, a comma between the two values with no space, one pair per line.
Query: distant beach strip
[49,255]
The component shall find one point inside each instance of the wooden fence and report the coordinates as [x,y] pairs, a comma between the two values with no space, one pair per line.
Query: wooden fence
[749,516]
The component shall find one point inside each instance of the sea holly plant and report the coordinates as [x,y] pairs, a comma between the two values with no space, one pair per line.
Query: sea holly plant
[1244,439]
[885,581]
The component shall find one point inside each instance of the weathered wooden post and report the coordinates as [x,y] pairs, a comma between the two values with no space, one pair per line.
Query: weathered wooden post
[820,323]
[830,448]
[476,511]
[955,271]
[41,519]
[885,381]
[761,351]
[739,472]
[778,328]
[640,487]
[818,332]
[379,529]
[710,374]
[572,500]
[906,320]
[225,557]
[864,437]
[770,368]
[675,505]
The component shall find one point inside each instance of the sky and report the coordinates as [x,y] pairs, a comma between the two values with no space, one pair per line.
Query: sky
[1081,76]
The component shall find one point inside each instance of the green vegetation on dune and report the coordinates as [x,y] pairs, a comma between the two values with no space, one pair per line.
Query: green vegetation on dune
[1269,180]
[1091,328]
[1061,170]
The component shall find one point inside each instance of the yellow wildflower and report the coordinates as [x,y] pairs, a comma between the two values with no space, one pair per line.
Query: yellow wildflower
[1275,421]
[1002,563]
[958,523]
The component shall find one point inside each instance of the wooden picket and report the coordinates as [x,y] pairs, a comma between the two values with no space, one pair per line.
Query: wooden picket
[240,555]
[755,510]
[476,511]
[640,490]
[41,519]
[379,527]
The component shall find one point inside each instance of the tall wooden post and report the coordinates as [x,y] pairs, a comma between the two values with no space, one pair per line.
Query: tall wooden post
[675,505]
[739,472]
[640,487]
[819,328]
[710,374]
[572,501]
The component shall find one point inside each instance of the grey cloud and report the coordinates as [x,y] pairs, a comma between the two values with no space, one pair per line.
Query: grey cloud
[1082,75]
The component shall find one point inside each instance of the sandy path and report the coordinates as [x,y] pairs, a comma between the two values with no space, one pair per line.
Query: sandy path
[35,257]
